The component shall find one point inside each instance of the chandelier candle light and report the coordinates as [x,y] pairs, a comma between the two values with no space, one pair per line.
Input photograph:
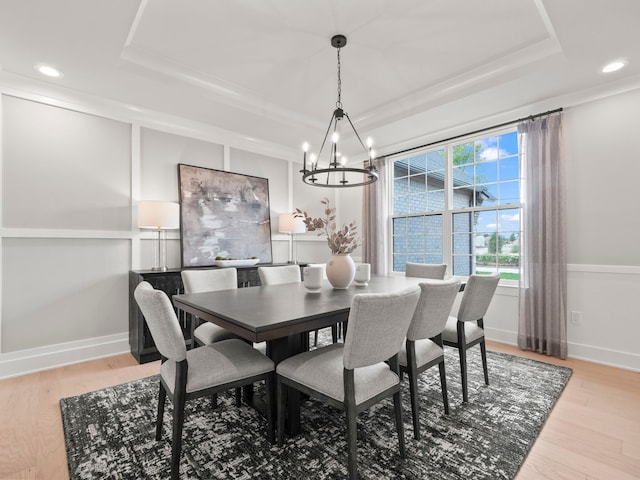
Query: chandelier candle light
[337,174]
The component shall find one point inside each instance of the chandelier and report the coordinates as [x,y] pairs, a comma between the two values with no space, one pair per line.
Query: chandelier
[336,173]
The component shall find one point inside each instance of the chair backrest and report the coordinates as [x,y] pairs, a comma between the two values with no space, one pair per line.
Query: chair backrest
[196,281]
[278,275]
[477,296]
[433,309]
[425,270]
[378,323]
[162,321]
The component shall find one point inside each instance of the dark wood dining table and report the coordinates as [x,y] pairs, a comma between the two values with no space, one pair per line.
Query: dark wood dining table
[282,315]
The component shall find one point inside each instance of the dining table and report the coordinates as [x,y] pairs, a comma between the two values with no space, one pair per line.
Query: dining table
[283,315]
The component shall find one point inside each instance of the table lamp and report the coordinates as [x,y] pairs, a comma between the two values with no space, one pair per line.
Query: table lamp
[290,224]
[159,216]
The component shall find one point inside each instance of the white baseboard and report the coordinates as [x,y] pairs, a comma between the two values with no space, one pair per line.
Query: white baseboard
[612,358]
[53,356]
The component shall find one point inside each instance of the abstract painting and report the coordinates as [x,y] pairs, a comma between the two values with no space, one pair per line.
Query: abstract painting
[223,214]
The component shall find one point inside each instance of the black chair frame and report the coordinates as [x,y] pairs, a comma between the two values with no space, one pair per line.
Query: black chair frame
[462,347]
[179,397]
[348,406]
[413,380]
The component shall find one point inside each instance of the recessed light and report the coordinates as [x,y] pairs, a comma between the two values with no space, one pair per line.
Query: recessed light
[615,65]
[48,70]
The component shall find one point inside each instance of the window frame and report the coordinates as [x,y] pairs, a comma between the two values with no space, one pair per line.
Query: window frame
[449,212]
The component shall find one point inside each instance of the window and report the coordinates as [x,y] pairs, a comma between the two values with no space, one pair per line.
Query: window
[459,204]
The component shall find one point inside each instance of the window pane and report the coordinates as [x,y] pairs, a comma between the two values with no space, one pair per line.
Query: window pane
[463,154]
[417,183]
[434,244]
[433,259]
[462,222]
[510,220]
[487,149]
[400,169]
[418,164]
[487,222]
[508,144]
[433,224]
[435,160]
[401,205]
[400,186]
[462,265]
[399,244]
[509,168]
[462,197]
[415,225]
[487,194]
[462,243]
[399,226]
[435,201]
[487,172]
[399,263]
[416,244]
[418,203]
[509,192]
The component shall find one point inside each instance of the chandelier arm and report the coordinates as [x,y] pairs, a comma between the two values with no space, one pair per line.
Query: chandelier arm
[333,115]
[357,135]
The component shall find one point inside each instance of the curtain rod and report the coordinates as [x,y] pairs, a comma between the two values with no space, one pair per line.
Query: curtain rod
[530,117]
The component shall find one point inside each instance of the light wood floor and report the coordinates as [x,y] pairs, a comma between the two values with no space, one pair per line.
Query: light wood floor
[592,433]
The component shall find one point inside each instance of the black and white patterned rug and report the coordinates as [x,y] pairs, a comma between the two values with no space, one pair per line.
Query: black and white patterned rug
[110,433]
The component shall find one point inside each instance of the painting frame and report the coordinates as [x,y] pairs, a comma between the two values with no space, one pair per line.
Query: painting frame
[222,215]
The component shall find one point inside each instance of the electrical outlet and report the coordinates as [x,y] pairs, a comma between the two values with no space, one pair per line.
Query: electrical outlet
[576,317]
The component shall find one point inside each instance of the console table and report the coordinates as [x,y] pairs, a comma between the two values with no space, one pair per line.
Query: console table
[169,281]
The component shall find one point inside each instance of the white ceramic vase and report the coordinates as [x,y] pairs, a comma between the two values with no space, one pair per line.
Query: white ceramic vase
[341,270]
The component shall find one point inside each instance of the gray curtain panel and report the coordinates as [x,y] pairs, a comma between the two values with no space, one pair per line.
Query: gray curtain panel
[543,285]
[374,221]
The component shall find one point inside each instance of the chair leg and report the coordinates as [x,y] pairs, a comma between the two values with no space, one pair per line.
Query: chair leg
[462,350]
[315,338]
[483,351]
[352,448]
[415,404]
[176,444]
[238,397]
[412,372]
[214,401]
[463,374]
[397,405]
[443,386]
[280,402]
[162,397]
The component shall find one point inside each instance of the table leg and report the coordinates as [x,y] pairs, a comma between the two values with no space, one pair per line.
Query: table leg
[281,349]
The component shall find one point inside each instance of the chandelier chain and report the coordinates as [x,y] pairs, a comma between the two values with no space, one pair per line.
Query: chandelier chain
[339,102]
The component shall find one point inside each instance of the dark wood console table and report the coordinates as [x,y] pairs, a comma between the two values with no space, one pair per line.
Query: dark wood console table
[169,281]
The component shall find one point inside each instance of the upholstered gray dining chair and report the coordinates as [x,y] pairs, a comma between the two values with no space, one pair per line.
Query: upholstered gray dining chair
[467,328]
[354,376]
[210,280]
[187,374]
[425,270]
[278,275]
[196,281]
[423,347]
[282,274]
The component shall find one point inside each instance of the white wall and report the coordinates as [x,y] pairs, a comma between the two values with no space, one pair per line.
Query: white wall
[71,181]
[71,178]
